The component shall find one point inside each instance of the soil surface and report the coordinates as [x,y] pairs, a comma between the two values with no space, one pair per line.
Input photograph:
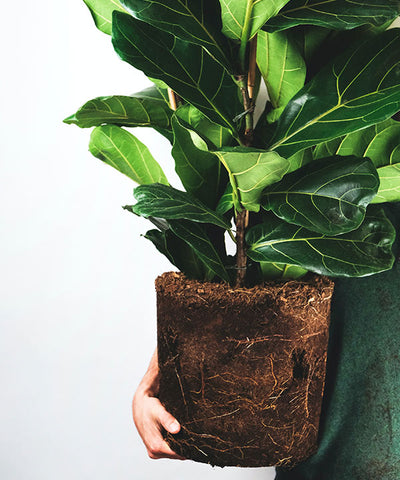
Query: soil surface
[243,369]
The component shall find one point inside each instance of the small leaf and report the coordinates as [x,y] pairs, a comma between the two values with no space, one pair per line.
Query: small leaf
[389,189]
[201,173]
[196,21]
[143,109]
[215,135]
[178,252]
[300,159]
[362,252]
[284,74]
[240,15]
[334,14]
[123,151]
[328,196]
[226,202]
[187,68]
[166,202]
[101,11]
[271,271]
[250,171]
[358,89]
[196,236]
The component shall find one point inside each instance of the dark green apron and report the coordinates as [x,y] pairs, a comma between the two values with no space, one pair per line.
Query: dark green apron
[360,424]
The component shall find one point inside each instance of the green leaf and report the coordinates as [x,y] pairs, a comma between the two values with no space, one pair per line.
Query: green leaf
[178,252]
[101,11]
[300,159]
[143,109]
[195,235]
[389,189]
[362,252]
[381,143]
[250,171]
[271,271]
[215,135]
[187,68]
[166,202]
[200,171]
[226,202]
[334,14]
[242,16]
[360,88]
[284,73]
[310,39]
[328,196]
[123,151]
[196,21]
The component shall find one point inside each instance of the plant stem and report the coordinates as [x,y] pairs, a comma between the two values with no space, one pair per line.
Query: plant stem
[248,106]
[241,257]
[251,77]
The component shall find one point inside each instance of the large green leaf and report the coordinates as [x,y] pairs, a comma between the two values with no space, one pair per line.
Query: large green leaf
[250,171]
[196,236]
[362,252]
[185,67]
[101,11]
[216,135]
[282,67]
[200,171]
[178,252]
[241,19]
[334,14]
[123,151]
[196,21]
[389,189]
[360,88]
[380,142]
[143,109]
[328,196]
[166,202]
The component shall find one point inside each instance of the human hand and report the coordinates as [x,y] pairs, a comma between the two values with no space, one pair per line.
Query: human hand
[150,416]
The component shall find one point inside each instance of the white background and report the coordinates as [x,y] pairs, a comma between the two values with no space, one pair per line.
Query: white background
[77,315]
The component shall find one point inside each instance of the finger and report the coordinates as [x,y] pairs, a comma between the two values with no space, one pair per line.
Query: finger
[164,418]
[164,451]
[157,447]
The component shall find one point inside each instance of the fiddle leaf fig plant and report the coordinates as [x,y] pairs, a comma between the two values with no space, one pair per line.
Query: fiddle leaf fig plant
[298,188]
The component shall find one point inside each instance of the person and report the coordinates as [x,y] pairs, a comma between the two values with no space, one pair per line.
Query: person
[359,434]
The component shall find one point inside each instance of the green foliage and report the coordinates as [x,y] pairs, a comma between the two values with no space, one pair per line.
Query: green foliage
[284,74]
[243,18]
[123,151]
[361,252]
[201,173]
[162,201]
[356,90]
[250,171]
[324,149]
[328,196]
[101,11]
[143,109]
[335,14]
[196,21]
[187,68]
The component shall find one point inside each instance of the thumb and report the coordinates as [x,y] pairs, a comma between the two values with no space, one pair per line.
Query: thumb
[168,421]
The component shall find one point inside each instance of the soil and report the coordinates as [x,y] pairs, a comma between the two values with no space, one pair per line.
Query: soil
[243,369]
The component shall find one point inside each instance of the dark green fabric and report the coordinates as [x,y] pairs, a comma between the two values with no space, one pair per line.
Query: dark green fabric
[360,424]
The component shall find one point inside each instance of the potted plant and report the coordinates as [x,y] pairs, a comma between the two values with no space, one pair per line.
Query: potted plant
[242,338]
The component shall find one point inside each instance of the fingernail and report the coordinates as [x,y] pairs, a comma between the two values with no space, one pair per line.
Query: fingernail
[174,426]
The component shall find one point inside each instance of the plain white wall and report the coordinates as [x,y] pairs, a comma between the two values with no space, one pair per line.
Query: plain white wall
[77,315]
